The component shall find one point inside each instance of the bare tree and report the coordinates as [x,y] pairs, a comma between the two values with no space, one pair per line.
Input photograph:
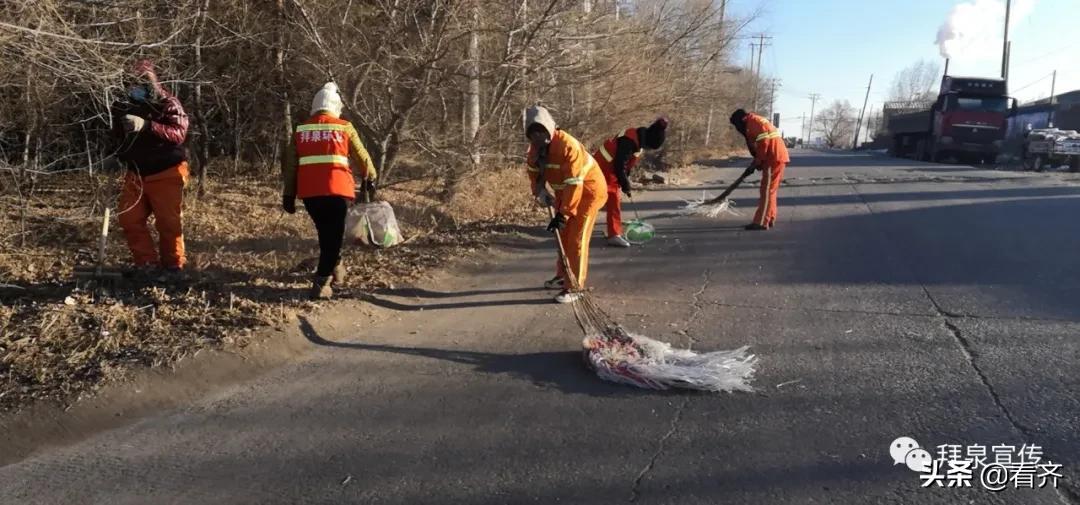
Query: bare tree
[836,124]
[916,83]
[435,87]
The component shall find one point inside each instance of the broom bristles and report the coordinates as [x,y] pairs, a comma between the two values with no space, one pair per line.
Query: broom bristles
[619,356]
[706,207]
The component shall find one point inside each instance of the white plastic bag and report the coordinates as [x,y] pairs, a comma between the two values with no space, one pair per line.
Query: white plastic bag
[372,224]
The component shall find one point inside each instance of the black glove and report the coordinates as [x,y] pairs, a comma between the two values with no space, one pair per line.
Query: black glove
[288,203]
[626,191]
[366,193]
[557,223]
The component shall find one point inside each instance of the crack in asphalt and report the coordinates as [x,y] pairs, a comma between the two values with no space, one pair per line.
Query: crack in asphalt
[696,303]
[1065,493]
[634,493]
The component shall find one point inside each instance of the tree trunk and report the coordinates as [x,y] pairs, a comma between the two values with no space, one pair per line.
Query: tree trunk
[203,148]
[708,125]
[472,127]
[286,106]
[236,137]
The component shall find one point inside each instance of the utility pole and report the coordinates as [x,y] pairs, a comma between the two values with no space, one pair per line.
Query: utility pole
[757,73]
[1005,43]
[752,56]
[858,124]
[1053,84]
[761,49]
[814,97]
[773,84]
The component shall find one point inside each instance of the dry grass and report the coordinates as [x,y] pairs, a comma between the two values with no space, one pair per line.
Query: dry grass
[249,267]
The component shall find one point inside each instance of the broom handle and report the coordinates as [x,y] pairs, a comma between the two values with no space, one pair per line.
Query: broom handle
[562,254]
[731,188]
[102,241]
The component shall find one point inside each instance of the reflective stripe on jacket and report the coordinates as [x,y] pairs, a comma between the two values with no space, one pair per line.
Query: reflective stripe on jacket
[317,160]
[769,149]
[570,170]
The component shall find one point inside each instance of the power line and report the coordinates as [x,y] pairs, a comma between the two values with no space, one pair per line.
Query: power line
[1041,79]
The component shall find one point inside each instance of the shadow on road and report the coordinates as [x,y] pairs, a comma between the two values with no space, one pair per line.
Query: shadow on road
[426,293]
[564,370]
[392,305]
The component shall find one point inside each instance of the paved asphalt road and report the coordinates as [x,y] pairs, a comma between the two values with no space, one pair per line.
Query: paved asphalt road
[893,299]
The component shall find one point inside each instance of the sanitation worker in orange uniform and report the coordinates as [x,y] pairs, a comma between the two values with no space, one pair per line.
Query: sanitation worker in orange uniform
[151,126]
[316,169]
[616,157]
[770,157]
[557,159]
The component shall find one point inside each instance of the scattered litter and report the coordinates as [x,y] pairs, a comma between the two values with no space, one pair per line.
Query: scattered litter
[788,383]
[347,480]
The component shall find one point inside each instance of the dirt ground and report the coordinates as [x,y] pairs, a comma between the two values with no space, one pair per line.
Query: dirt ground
[250,265]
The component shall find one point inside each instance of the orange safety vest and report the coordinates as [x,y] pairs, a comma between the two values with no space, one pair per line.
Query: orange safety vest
[605,156]
[322,151]
[768,146]
[571,172]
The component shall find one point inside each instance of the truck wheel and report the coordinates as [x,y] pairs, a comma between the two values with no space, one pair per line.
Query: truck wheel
[936,155]
[921,153]
[1037,163]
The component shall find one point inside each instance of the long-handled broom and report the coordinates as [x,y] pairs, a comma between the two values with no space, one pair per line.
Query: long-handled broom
[619,356]
[716,206]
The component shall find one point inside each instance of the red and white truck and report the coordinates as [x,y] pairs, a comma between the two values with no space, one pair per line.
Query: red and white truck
[968,121]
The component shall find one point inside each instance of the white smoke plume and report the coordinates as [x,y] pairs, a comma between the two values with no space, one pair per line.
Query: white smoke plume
[973,27]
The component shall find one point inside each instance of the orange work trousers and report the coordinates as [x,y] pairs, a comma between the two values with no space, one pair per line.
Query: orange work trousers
[770,182]
[160,195]
[576,235]
[613,208]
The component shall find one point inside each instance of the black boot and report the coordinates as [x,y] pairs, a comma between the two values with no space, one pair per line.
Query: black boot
[754,227]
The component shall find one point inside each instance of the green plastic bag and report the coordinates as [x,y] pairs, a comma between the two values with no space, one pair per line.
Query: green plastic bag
[638,232]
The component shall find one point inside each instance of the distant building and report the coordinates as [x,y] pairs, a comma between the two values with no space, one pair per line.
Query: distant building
[1066,115]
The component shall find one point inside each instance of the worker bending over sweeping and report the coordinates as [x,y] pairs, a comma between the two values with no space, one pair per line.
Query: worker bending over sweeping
[151,126]
[558,159]
[770,157]
[616,157]
[316,169]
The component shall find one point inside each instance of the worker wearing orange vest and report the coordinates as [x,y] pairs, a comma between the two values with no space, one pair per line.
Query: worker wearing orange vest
[616,157]
[580,191]
[316,169]
[770,157]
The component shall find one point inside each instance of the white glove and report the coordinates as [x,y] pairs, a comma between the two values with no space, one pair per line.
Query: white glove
[544,198]
[134,123]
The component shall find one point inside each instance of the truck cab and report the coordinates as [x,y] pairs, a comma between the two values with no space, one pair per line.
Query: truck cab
[970,118]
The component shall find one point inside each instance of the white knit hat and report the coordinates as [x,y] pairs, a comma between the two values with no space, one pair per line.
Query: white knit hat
[327,99]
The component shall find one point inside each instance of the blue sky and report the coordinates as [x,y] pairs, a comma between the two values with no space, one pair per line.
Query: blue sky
[832,46]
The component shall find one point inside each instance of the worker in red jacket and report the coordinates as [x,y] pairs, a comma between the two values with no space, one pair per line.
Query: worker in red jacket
[150,127]
[316,169]
[616,157]
[770,157]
